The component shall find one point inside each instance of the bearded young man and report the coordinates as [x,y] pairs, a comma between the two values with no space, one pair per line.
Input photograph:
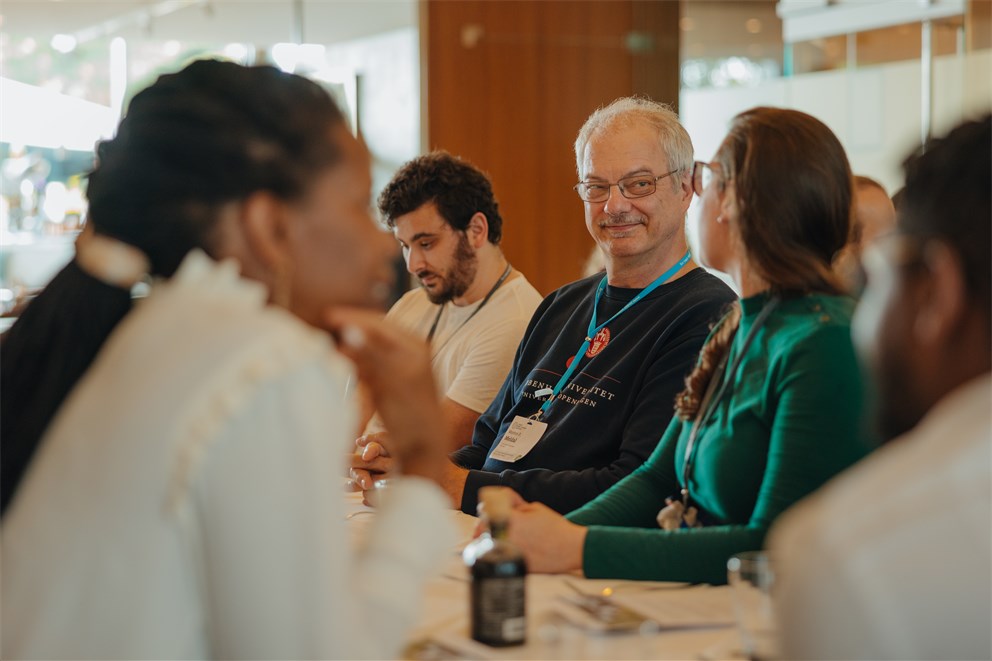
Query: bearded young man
[472,306]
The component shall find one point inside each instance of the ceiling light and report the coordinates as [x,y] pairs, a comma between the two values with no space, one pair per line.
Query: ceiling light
[64,43]
[286,56]
[236,52]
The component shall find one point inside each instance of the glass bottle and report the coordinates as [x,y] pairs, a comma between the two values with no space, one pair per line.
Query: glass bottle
[498,573]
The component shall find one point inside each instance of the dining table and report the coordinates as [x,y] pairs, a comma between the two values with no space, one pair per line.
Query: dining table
[569,616]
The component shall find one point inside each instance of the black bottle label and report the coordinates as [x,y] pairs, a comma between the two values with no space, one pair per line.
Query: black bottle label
[498,617]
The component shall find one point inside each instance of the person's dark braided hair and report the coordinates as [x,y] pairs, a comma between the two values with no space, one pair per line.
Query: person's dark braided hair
[793,186]
[194,141]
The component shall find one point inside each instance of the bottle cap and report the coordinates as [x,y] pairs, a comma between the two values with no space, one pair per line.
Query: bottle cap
[496,502]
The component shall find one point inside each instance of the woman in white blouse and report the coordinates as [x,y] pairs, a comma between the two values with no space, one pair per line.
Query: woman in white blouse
[174,482]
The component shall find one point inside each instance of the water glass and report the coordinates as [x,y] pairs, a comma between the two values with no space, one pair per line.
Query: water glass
[752,578]
[374,495]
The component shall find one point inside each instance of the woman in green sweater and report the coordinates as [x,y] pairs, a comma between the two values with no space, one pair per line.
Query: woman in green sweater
[773,407]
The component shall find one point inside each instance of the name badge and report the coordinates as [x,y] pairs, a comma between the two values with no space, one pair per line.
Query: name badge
[519,439]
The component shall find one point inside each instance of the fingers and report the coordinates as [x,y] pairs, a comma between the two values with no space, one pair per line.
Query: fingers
[377,465]
[380,438]
[362,478]
[372,449]
[371,456]
[517,503]
[525,508]
[370,465]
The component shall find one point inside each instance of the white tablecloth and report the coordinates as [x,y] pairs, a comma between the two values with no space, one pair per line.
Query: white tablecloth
[696,621]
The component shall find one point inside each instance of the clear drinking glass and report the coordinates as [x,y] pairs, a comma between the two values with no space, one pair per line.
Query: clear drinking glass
[374,495]
[752,578]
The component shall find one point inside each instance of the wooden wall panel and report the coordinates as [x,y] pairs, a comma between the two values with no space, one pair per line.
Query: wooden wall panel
[509,84]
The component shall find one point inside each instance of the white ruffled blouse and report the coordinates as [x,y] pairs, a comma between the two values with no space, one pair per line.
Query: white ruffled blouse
[186,501]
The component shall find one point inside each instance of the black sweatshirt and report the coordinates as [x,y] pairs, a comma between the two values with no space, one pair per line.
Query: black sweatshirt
[607,420]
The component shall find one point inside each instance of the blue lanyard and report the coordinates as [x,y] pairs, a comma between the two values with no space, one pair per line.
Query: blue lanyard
[594,328]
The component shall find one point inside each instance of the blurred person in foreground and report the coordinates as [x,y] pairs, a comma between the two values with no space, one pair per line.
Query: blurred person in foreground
[773,407]
[603,358]
[873,216]
[892,559]
[472,306]
[185,499]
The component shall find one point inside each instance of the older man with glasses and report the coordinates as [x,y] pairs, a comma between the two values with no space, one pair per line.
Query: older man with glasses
[595,377]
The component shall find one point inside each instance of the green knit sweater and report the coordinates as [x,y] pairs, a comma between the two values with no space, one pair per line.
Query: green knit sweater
[791,418]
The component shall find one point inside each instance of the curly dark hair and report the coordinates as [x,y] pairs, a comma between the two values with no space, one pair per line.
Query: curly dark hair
[457,188]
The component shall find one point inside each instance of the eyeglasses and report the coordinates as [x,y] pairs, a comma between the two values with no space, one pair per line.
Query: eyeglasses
[630,187]
[702,176]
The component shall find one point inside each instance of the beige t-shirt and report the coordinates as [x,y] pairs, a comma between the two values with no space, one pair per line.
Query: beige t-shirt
[471,355]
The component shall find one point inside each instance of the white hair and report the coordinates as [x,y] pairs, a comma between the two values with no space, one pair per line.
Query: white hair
[629,110]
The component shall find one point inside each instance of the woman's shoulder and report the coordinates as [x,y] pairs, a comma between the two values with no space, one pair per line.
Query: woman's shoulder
[813,315]
[817,325]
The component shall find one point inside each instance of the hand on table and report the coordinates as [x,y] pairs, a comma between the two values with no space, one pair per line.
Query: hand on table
[516,500]
[371,460]
[550,543]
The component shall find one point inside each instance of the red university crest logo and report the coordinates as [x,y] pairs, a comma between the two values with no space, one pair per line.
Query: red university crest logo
[598,343]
